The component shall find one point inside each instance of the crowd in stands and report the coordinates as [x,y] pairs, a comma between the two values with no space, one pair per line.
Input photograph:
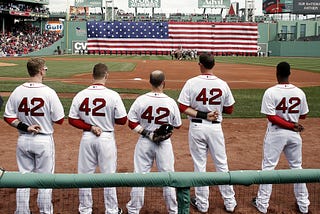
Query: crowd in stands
[23,7]
[25,38]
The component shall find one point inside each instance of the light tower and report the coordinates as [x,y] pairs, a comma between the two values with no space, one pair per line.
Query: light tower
[249,10]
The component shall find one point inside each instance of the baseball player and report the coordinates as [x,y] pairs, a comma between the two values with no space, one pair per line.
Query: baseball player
[283,104]
[32,108]
[96,110]
[146,114]
[204,98]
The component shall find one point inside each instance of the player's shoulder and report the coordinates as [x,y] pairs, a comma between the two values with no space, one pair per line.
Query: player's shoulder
[111,91]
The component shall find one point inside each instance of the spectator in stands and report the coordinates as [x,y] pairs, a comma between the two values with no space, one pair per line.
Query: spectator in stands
[26,38]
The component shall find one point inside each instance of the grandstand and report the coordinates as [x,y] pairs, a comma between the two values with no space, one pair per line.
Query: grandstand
[23,27]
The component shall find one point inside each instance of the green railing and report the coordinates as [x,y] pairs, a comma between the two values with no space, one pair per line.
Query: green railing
[182,181]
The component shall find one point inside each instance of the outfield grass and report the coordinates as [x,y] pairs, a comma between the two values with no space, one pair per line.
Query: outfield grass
[248,101]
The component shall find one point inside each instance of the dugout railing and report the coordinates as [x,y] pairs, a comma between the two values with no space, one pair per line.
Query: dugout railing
[182,181]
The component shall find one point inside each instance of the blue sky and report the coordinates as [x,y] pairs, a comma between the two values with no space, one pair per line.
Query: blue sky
[167,6]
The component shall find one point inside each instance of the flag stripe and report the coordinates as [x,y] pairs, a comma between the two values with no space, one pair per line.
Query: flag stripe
[167,36]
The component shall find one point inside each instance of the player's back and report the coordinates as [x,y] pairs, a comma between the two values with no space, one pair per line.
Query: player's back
[97,105]
[153,109]
[35,103]
[286,101]
[206,93]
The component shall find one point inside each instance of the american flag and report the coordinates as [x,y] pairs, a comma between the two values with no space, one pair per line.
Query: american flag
[168,36]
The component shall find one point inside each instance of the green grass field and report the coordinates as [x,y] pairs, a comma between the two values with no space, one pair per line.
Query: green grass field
[248,101]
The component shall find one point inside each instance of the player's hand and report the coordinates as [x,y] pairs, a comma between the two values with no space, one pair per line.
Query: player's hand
[35,129]
[213,115]
[96,130]
[298,127]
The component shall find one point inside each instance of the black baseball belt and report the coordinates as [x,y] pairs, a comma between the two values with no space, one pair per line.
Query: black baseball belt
[196,120]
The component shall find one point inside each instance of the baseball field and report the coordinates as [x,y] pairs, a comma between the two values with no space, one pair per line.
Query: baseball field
[244,131]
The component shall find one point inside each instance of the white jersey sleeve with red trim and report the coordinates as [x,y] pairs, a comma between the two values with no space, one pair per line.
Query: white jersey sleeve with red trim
[206,93]
[99,106]
[153,109]
[286,101]
[35,103]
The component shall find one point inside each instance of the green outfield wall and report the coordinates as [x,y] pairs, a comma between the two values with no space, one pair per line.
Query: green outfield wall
[283,38]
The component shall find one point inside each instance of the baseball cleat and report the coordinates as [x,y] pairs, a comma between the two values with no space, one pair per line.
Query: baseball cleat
[120,211]
[254,203]
[230,209]
[193,202]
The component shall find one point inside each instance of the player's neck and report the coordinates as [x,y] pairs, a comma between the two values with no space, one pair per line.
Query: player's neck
[98,82]
[283,81]
[36,79]
[157,90]
[206,72]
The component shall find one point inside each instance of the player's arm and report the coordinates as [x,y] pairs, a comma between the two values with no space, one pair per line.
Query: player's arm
[227,109]
[16,123]
[121,121]
[279,121]
[135,126]
[212,116]
[59,121]
[80,124]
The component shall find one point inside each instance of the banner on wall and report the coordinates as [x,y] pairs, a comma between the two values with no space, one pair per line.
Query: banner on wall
[144,3]
[306,7]
[213,3]
[168,36]
[54,26]
[88,3]
[277,6]
[79,47]
[79,11]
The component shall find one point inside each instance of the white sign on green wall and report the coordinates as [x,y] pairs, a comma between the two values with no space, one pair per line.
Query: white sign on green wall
[213,3]
[144,3]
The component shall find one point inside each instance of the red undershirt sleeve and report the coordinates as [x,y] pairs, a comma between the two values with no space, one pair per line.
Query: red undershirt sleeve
[9,120]
[304,116]
[80,124]
[275,119]
[133,125]
[59,121]
[227,109]
[182,107]
[121,121]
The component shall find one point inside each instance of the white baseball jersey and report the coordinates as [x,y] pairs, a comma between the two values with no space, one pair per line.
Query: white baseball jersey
[99,106]
[35,103]
[151,110]
[286,101]
[206,93]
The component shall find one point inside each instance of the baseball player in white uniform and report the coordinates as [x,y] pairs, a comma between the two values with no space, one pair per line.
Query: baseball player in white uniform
[146,114]
[283,104]
[204,98]
[96,110]
[32,108]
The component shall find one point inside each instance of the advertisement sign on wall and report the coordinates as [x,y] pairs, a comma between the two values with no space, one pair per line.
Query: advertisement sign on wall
[79,47]
[54,26]
[277,6]
[306,7]
[144,3]
[213,3]
[88,3]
